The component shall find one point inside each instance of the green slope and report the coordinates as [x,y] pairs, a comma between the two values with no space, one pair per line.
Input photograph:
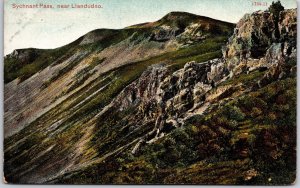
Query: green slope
[34,138]
[233,144]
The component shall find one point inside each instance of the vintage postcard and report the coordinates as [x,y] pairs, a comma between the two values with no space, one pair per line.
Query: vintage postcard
[150,92]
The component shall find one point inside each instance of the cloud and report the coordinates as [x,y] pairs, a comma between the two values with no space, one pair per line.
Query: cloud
[24,24]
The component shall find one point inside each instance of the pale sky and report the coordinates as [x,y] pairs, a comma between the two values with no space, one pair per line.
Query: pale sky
[51,28]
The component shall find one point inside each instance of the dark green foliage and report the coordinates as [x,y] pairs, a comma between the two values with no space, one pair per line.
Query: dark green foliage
[276,8]
[233,113]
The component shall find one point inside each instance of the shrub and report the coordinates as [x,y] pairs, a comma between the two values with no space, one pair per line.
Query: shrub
[234,113]
[276,8]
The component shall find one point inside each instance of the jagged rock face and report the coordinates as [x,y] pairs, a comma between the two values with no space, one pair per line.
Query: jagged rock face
[145,89]
[288,24]
[158,84]
[168,99]
[218,71]
[185,89]
[179,90]
[254,35]
[255,44]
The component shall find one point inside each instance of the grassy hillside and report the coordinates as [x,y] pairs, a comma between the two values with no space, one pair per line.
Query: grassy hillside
[233,144]
[74,117]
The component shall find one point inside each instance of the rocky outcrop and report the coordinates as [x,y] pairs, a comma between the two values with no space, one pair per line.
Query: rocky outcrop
[24,56]
[169,99]
[288,25]
[254,38]
[252,35]
[165,33]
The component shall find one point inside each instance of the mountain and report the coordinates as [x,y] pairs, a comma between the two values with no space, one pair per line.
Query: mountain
[185,99]
[42,79]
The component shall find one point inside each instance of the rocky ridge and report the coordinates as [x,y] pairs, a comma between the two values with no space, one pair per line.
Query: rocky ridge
[168,99]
